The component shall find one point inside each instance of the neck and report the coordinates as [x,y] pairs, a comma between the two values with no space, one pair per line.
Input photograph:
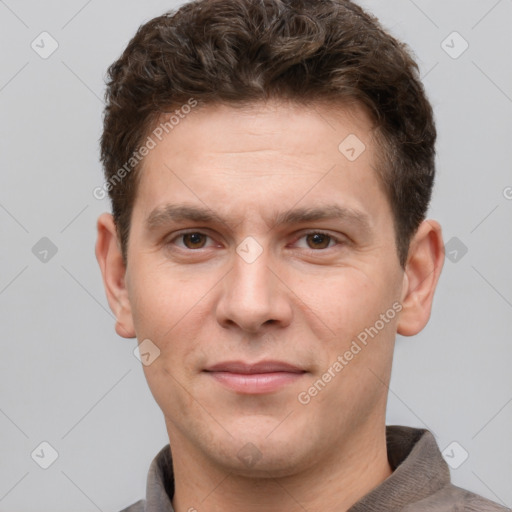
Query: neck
[351,471]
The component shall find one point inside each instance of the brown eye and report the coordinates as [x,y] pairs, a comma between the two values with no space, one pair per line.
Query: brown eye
[318,240]
[194,240]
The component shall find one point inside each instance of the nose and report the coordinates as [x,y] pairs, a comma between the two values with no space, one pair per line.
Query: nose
[254,296]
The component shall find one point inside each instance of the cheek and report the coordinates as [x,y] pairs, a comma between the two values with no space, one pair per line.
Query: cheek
[343,300]
[160,310]
[347,307]
[161,300]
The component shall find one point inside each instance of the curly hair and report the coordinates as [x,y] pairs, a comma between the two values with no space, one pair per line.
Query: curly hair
[245,51]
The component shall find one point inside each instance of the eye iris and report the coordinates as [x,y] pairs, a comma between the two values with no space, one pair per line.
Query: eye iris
[194,238]
[318,238]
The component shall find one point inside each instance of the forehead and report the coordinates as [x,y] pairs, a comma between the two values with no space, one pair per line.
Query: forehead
[272,153]
[285,126]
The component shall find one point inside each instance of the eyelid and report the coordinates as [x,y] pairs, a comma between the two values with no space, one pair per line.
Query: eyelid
[180,234]
[339,240]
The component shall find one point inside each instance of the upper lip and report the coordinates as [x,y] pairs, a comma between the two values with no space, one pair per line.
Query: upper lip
[254,368]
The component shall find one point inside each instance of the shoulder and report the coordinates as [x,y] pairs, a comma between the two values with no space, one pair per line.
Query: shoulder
[136,507]
[455,499]
[476,503]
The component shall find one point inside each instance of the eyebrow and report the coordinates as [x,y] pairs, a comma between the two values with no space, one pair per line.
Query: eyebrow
[181,213]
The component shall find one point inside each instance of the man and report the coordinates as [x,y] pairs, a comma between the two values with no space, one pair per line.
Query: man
[270,164]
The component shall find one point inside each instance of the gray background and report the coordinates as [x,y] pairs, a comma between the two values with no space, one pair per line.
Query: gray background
[65,376]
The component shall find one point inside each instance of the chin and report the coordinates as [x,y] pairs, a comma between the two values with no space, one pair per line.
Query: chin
[263,452]
[253,462]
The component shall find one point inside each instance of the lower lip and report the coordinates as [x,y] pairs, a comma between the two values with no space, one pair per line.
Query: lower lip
[257,383]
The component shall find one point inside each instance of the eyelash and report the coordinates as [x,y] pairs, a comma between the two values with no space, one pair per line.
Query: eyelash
[332,238]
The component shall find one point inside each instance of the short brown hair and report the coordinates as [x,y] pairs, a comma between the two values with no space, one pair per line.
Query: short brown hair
[245,51]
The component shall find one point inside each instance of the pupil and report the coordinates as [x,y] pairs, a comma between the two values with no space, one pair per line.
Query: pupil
[194,238]
[318,238]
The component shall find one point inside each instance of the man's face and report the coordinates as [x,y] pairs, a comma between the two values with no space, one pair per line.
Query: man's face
[252,285]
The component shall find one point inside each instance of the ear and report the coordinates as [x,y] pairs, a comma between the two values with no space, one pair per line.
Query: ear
[422,270]
[113,270]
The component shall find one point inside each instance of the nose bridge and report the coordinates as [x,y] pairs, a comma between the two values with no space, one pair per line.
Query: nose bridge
[251,295]
[251,281]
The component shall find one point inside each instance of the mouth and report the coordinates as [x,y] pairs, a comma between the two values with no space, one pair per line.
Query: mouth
[257,378]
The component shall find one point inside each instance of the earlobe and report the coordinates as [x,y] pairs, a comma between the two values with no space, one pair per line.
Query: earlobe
[422,272]
[113,271]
